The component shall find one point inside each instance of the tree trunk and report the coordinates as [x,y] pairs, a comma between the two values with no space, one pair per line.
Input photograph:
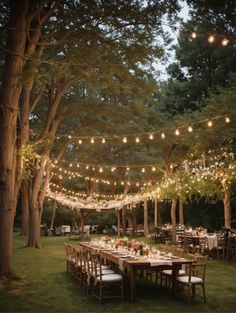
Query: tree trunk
[124,220]
[82,224]
[118,222]
[157,212]
[9,103]
[181,212]
[173,218]
[25,207]
[34,236]
[54,209]
[227,205]
[145,218]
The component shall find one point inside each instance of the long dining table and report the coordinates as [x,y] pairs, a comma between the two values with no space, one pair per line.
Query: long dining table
[135,263]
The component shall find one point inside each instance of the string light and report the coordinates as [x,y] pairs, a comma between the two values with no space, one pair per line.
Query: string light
[137,140]
[80,142]
[210,123]
[163,136]
[177,132]
[100,169]
[143,170]
[224,42]
[227,119]
[92,140]
[211,39]
[194,35]
[190,128]
[103,140]
[151,137]
[153,169]
[124,140]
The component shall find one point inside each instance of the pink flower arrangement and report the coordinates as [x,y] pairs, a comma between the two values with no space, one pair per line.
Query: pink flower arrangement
[136,246]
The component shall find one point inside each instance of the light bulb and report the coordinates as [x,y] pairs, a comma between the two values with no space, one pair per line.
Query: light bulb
[211,39]
[103,140]
[227,119]
[71,165]
[87,167]
[80,141]
[124,140]
[151,136]
[209,123]
[224,42]
[193,35]
[127,169]
[137,139]
[92,140]
[190,129]
[100,169]
[163,136]
[153,169]
[177,132]
[143,170]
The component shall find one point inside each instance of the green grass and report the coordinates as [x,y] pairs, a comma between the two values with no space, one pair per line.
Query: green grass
[40,284]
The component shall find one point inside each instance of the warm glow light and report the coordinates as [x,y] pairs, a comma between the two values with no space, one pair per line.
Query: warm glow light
[209,123]
[77,165]
[143,170]
[177,132]
[124,140]
[71,165]
[224,42]
[227,119]
[80,141]
[193,35]
[163,136]
[87,167]
[100,169]
[153,169]
[127,169]
[137,139]
[103,140]
[211,39]
[190,129]
[92,140]
[151,136]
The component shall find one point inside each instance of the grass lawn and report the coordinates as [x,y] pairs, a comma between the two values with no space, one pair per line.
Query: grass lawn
[40,284]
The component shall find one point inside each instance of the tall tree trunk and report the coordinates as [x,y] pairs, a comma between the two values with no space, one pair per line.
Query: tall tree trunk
[157,212]
[34,236]
[54,209]
[173,218]
[9,104]
[227,205]
[24,207]
[145,218]
[118,222]
[124,220]
[181,212]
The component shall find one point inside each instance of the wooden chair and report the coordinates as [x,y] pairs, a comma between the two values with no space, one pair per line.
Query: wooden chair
[195,277]
[221,247]
[104,285]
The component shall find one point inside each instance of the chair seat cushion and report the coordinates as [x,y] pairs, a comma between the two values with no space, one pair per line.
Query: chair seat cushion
[105,272]
[169,272]
[110,278]
[184,280]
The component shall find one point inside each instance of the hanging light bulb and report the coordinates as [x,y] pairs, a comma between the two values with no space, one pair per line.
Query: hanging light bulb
[137,140]
[193,35]
[137,184]
[177,132]
[224,42]
[227,119]
[153,169]
[93,168]
[151,137]
[163,136]
[87,167]
[77,165]
[92,140]
[176,31]
[127,169]
[71,165]
[103,140]
[122,183]
[143,170]
[80,141]
[124,140]
[190,128]
[211,39]
[100,169]
[209,123]
[69,137]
